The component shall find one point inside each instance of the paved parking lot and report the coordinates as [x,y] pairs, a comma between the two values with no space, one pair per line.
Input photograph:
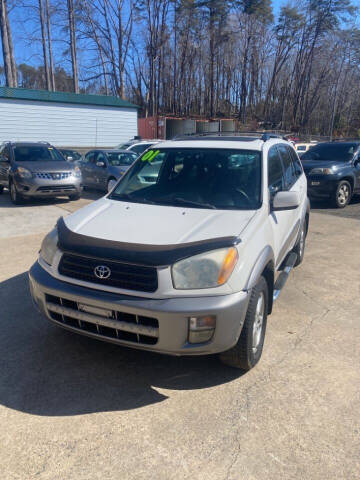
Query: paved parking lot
[75,408]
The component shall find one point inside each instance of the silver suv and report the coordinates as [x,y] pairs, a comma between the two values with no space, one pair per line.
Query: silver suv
[37,170]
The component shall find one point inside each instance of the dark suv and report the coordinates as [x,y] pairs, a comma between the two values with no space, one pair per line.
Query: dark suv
[37,170]
[333,171]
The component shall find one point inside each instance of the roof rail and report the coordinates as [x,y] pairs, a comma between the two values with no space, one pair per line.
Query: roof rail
[242,136]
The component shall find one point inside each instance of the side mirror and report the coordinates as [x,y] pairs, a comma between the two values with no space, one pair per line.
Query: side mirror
[100,164]
[69,159]
[4,159]
[285,201]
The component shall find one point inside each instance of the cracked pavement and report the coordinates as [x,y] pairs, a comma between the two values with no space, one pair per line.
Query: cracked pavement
[72,407]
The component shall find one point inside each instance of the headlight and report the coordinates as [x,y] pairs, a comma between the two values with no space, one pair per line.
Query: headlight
[24,172]
[49,246]
[210,269]
[322,171]
[76,172]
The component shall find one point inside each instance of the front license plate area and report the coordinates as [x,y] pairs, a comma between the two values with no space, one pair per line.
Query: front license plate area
[101,312]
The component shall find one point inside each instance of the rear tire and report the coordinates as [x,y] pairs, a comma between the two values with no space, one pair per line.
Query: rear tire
[342,195]
[15,196]
[76,196]
[247,352]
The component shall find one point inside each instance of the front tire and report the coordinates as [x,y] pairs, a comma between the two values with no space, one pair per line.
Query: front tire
[299,248]
[342,195]
[15,196]
[247,352]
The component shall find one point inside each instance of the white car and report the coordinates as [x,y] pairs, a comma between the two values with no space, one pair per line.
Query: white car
[186,264]
[138,146]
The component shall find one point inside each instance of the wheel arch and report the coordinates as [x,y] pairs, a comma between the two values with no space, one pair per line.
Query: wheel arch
[350,179]
[264,266]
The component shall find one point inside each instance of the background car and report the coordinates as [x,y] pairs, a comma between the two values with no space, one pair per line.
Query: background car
[301,148]
[101,169]
[333,171]
[70,155]
[37,170]
[138,146]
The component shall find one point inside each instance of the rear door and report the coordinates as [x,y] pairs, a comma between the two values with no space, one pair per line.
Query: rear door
[357,172]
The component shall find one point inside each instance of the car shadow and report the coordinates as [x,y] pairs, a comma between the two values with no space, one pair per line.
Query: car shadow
[327,205]
[49,371]
[5,201]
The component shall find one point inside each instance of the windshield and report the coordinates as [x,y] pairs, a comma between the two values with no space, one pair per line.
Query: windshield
[36,153]
[71,153]
[116,159]
[341,152]
[124,146]
[195,178]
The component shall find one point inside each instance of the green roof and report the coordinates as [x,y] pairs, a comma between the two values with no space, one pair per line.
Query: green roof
[64,97]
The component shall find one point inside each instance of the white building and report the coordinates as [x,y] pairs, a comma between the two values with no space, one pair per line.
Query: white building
[65,119]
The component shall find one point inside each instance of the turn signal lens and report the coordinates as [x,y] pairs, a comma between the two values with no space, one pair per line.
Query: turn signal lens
[228,266]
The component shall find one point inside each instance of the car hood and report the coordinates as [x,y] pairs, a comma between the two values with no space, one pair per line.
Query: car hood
[46,166]
[310,164]
[155,225]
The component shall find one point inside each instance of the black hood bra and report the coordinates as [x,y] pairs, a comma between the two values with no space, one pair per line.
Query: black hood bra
[135,253]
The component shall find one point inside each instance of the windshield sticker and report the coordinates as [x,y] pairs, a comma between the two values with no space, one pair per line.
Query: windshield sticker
[150,155]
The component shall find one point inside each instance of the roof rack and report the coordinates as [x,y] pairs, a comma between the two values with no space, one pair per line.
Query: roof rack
[231,136]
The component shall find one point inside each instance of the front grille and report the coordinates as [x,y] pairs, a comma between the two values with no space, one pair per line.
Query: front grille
[114,324]
[53,175]
[56,188]
[123,275]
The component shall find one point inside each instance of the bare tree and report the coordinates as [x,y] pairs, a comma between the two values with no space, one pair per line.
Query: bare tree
[70,5]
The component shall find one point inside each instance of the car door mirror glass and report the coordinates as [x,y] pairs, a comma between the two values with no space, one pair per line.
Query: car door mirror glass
[285,201]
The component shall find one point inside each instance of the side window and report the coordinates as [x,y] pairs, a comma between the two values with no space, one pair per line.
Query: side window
[275,171]
[289,173]
[296,162]
[100,157]
[89,157]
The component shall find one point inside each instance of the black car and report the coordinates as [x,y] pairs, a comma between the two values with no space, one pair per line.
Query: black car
[333,171]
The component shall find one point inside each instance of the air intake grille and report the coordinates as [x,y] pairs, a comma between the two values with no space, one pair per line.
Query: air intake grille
[109,323]
[122,275]
[53,175]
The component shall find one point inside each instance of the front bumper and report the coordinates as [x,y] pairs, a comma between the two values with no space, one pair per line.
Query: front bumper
[171,316]
[321,186]
[38,187]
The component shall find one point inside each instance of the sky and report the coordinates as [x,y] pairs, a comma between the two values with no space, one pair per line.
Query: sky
[25,24]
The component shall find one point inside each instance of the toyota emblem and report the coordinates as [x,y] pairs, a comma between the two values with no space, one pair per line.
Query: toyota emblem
[102,271]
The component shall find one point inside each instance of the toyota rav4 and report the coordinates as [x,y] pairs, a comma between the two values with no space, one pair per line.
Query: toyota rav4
[188,262]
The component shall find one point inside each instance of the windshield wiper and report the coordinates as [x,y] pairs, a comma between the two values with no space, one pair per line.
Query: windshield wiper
[127,197]
[194,204]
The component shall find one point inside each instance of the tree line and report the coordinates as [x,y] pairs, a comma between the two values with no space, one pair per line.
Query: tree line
[298,70]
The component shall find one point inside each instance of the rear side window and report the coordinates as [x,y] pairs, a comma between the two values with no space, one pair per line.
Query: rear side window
[296,162]
[289,172]
[275,171]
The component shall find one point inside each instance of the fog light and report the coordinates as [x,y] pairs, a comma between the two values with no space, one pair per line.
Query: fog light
[201,329]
